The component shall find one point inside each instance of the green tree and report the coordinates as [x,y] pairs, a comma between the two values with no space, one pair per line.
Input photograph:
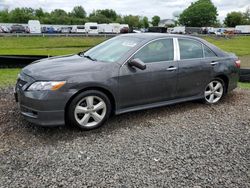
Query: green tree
[247,16]
[21,15]
[99,18]
[132,21]
[4,16]
[78,12]
[39,13]
[155,20]
[199,14]
[234,18]
[108,14]
[145,22]
[59,16]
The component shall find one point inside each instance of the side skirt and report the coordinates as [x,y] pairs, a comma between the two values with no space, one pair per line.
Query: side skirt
[157,104]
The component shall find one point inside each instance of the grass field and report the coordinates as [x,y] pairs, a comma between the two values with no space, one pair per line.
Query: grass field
[46,45]
[67,45]
[238,45]
[8,77]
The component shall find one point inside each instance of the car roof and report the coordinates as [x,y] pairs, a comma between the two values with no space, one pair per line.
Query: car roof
[151,36]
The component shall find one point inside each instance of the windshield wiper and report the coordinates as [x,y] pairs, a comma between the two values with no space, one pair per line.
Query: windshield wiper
[87,56]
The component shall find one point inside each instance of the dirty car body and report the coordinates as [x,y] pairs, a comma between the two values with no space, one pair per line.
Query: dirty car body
[180,76]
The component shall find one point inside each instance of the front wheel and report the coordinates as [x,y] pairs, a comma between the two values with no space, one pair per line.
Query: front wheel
[214,91]
[89,110]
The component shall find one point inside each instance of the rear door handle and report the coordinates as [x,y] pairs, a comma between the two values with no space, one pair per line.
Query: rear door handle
[214,63]
[171,68]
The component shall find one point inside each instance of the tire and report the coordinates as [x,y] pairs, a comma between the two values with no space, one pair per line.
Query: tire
[214,91]
[89,110]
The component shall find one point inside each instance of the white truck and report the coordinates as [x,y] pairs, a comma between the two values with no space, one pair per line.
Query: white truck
[91,27]
[34,26]
[242,29]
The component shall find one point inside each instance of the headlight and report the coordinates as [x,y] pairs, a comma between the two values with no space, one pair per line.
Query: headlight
[43,85]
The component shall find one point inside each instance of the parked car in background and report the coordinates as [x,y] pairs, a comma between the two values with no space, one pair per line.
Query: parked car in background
[124,28]
[220,31]
[187,30]
[91,28]
[5,29]
[66,29]
[34,26]
[123,74]
[157,29]
[17,29]
[49,30]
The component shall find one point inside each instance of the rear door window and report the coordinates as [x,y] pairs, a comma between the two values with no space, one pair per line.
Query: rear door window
[190,49]
[208,52]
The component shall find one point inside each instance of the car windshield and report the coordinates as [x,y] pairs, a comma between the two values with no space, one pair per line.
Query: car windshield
[112,50]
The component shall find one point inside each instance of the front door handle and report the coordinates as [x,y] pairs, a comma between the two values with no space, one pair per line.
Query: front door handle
[171,68]
[214,63]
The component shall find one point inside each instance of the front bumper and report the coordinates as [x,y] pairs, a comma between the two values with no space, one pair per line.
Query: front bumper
[44,108]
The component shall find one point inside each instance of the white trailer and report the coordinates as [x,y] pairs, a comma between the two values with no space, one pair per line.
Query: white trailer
[91,27]
[105,28]
[242,28]
[34,26]
[179,29]
[78,29]
[116,28]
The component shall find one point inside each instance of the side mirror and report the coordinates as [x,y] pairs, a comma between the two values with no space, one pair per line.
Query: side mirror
[137,63]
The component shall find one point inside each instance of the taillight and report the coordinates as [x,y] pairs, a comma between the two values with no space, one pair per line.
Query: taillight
[237,63]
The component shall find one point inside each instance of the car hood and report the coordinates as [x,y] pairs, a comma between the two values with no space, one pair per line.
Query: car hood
[63,67]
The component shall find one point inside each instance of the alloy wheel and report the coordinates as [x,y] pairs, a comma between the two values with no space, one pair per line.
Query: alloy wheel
[90,111]
[214,91]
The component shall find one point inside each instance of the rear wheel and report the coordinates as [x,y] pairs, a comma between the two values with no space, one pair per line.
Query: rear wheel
[214,91]
[89,110]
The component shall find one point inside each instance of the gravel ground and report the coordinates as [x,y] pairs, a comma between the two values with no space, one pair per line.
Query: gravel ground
[184,145]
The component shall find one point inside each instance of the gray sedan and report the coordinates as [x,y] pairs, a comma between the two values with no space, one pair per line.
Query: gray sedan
[123,74]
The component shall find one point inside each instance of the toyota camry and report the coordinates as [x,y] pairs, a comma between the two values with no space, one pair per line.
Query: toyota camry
[123,74]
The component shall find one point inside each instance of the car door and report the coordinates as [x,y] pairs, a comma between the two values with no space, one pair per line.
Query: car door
[157,82]
[194,70]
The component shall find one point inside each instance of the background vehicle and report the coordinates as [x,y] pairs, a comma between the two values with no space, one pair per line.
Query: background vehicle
[244,29]
[115,27]
[66,29]
[5,29]
[126,73]
[91,28]
[78,29]
[179,30]
[48,29]
[105,28]
[17,29]
[124,28]
[34,26]
[157,29]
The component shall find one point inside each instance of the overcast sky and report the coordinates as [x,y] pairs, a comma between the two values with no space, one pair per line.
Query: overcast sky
[163,8]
